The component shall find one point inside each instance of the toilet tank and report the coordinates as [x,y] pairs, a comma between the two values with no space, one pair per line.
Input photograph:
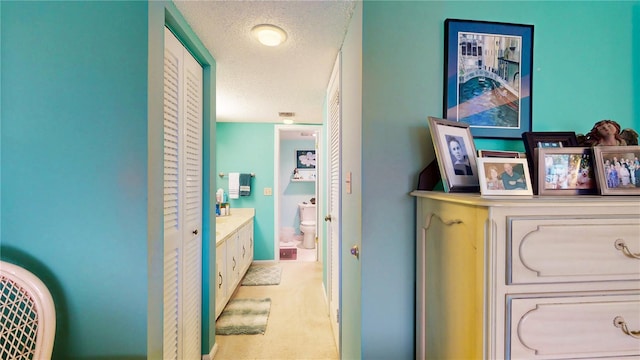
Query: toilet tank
[307,212]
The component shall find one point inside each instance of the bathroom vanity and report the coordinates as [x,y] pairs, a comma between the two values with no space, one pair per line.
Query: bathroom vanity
[234,252]
[543,277]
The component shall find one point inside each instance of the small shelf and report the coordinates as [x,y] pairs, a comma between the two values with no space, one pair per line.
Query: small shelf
[302,180]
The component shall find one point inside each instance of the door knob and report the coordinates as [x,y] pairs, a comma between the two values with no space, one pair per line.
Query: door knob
[355,251]
[327,218]
[195,232]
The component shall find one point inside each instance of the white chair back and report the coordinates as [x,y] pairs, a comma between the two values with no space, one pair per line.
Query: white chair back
[27,315]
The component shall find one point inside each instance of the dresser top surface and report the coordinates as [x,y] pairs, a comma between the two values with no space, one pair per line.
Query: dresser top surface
[533,201]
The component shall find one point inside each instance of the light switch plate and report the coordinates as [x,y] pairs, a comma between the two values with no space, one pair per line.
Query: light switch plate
[268,191]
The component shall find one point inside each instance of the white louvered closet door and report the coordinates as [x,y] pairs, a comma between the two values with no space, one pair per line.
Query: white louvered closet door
[182,202]
[335,125]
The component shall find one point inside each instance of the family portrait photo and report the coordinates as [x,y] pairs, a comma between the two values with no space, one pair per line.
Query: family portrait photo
[618,169]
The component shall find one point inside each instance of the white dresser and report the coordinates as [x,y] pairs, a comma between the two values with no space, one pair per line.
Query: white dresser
[527,278]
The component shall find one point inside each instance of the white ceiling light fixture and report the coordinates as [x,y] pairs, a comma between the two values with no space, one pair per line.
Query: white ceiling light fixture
[269,35]
[287,121]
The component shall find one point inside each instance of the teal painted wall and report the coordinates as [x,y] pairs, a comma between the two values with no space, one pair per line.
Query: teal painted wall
[583,72]
[74,166]
[81,196]
[248,148]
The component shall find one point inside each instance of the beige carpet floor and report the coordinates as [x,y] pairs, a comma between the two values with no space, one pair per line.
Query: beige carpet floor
[298,327]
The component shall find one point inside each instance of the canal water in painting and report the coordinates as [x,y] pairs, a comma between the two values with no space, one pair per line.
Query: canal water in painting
[484,102]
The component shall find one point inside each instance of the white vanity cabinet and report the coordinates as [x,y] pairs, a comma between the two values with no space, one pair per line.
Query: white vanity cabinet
[527,277]
[245,246]
[221,277]
[234,253]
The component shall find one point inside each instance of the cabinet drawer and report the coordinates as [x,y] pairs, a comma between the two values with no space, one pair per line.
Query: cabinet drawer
[572,327]
[545,250]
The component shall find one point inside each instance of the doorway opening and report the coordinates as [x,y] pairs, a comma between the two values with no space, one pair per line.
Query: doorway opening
[297,184]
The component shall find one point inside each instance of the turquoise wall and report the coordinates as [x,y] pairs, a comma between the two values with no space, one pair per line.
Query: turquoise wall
[583,72]
[81,195]
[74,166]
[248,148]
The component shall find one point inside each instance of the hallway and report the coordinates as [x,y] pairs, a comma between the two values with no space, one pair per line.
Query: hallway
[298,325]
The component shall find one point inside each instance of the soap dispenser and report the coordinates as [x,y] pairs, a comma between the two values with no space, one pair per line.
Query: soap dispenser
[219,196]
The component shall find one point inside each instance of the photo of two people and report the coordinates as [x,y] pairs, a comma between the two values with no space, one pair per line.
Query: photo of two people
[505,176]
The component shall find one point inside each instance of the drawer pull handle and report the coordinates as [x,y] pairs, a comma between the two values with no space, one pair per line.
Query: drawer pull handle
[618,321]
[620,245]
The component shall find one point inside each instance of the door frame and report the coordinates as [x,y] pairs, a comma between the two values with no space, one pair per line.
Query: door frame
[320,184]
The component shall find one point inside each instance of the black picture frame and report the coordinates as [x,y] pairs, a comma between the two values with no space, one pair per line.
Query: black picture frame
[303,161]
[501,73]
[535,139]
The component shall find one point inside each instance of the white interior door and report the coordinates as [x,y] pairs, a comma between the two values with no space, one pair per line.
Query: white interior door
[192,190]
[182,202]
[333,217]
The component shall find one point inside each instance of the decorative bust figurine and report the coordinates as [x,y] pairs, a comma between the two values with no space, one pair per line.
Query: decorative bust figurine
[607,133]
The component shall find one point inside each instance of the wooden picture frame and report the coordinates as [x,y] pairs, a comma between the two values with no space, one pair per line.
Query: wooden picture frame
[533,140]
[617,169]
[456,155]
[488,77]
[504,176]
[501,154]
[565,171]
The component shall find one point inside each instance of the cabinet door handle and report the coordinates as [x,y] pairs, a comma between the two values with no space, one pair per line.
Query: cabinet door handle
[620,245]
[195,232]
[619,322]
[234,263]
[220,276]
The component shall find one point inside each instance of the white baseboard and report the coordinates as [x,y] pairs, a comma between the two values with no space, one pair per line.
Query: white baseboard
[212,353]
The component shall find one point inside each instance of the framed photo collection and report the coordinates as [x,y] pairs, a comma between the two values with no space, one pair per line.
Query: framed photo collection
[488,70]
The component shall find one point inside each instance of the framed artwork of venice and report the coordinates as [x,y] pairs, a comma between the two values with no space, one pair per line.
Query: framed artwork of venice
[488,77]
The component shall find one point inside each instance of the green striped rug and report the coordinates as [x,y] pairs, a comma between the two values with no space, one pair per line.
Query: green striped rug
[244,317]
[262,275]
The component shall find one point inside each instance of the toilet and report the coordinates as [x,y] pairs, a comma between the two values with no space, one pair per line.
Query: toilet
[308,225]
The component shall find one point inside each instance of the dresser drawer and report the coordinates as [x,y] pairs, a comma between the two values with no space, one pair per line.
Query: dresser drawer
[572,327]
[547,250]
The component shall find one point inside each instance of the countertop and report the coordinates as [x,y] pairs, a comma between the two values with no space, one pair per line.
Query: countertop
[226,225]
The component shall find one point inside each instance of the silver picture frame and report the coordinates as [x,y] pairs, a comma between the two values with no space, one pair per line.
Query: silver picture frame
[456,155]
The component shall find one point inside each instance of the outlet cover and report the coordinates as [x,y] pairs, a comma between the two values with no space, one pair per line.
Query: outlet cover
[268,191]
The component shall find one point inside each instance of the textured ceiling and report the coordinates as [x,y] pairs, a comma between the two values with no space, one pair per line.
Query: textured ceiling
[255,82]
